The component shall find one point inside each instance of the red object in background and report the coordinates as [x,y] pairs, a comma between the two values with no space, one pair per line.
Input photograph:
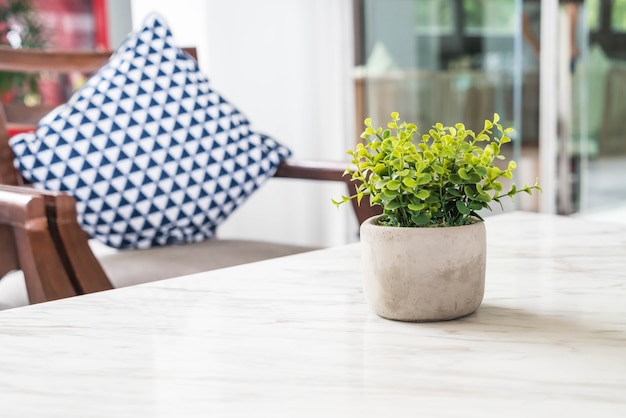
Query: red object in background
[72,25]
[101,24]
[16,131]
[75,24]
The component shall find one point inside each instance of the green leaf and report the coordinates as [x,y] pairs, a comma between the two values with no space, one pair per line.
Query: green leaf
[475,205]
[453,192]
[494,172]
[455,179]
[420,219]
[393,205]
[424,178]
[474,178]
[393,184]
[448,153]
[433,198]
[481,170]
[483,197]
[462,208]
[409,182]
[438,169]
[422,194]
[388,197]
[418,207]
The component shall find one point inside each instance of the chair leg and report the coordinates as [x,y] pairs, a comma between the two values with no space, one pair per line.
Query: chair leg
[25,225]
[79,262]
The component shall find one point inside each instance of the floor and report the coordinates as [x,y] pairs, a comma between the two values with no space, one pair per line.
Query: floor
[606,191]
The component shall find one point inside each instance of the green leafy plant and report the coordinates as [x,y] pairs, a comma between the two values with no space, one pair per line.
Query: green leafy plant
[442,179]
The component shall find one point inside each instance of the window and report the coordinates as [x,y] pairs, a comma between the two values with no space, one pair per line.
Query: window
[434,16]
[593,14]
[618,16]
[489,17]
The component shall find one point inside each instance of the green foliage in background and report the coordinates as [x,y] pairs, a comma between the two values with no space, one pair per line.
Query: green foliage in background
[435,15]
[20,28]
[442,179]
[618,16]
[484,16]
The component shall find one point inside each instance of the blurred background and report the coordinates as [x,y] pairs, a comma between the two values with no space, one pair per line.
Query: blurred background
[308,72]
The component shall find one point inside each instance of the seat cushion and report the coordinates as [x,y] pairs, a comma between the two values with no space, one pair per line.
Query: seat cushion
[13,290]
[131,267]
[151,152]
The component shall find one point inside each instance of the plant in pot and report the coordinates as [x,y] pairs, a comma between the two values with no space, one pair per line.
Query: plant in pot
[424,258]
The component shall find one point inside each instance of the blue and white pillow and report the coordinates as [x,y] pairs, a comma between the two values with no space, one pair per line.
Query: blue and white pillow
[152,154]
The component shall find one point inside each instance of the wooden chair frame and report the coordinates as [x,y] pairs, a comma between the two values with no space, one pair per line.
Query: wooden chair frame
[26,243]
[61,245]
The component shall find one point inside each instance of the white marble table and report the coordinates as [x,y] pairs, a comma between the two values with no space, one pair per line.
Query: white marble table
[293,337]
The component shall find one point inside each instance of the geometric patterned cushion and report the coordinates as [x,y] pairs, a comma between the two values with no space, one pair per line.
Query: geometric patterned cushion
[152,154]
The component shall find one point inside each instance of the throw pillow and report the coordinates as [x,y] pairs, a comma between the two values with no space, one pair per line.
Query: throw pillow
[152,154]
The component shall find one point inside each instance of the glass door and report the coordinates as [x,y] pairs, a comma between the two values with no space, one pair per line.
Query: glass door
[555,70]
[599,87]
[449,61]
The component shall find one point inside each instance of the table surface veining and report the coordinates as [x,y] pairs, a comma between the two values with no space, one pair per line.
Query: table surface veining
[294,337]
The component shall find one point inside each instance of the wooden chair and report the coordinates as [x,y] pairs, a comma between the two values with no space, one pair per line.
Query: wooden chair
[75,261]
[26,244]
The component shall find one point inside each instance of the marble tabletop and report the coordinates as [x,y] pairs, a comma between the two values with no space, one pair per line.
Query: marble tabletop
[294,337]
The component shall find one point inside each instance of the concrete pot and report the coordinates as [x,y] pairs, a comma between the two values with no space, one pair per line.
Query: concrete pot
[423,274]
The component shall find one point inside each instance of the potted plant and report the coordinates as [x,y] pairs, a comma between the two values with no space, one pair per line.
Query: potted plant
[424,258]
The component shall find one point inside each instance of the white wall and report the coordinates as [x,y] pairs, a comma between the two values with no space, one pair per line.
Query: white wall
[120,23]
[287,65]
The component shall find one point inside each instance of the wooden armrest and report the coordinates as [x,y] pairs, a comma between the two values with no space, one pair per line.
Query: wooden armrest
[27,244]
[81,265]
[330,171]
[35,61]
[312,170]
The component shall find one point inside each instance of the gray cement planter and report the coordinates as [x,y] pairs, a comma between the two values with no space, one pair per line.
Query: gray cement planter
[423,274]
